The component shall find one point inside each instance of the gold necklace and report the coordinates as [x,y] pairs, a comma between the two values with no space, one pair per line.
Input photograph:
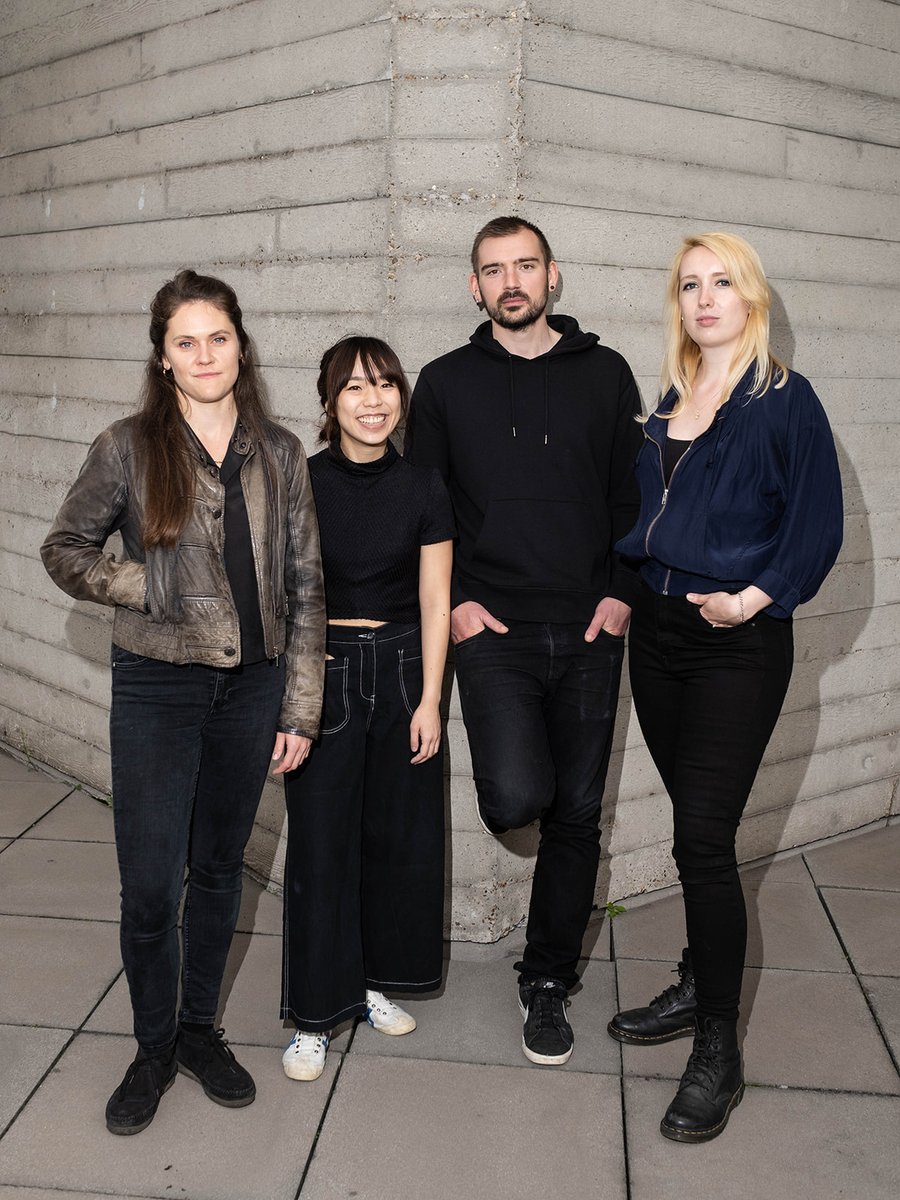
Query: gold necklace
[698,412]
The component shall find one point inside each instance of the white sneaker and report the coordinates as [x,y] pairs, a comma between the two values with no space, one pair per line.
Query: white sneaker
[305,1056]
[386,1016]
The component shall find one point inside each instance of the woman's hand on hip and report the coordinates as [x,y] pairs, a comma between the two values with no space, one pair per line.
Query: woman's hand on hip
[718,608]
[425,733]
[723,608]
[290,751]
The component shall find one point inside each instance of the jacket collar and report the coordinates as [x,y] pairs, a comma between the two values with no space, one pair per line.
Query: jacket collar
[655,423]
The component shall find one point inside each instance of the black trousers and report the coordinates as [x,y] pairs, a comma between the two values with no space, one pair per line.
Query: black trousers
[364,874]
[539,703]
[190,748]
[707,701]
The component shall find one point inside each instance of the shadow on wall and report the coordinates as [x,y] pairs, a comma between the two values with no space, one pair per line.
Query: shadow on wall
[796,738]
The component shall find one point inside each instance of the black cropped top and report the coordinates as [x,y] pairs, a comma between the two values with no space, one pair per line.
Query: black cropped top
[373,520]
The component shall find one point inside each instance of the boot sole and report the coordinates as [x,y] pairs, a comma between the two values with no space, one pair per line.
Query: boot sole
[225,1101]
[656,1039]
[128,1130]
[702,1135]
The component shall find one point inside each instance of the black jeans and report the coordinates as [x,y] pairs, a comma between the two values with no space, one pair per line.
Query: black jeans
[364,874]
[539,704]
[190,748]
[707,701]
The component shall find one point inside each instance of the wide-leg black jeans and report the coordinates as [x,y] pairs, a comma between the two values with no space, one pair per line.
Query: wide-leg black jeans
[364,874]
[707,701]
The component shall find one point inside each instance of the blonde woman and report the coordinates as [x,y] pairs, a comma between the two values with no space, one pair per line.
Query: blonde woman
[740,522]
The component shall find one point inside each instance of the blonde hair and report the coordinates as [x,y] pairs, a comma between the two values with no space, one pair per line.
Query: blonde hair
[682,354]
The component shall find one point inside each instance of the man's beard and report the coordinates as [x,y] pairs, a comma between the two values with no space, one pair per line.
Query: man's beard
[522,317]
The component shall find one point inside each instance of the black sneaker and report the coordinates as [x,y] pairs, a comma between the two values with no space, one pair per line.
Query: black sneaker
[547,1035]
[133,1104]
[207,1059]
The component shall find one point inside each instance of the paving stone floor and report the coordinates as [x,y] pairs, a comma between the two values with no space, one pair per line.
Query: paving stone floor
[453,1110]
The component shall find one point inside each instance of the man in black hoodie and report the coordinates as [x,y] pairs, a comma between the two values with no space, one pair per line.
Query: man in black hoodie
[532,427]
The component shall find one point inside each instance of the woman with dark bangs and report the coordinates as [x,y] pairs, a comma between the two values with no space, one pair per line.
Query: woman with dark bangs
[364,875]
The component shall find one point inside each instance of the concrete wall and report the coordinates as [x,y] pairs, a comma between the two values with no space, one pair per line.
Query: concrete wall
[334,168]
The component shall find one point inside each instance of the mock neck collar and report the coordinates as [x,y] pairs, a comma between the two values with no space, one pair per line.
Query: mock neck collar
[376,467]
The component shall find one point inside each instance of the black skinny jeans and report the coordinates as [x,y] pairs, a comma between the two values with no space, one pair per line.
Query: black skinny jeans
[190,748]
[707,701]
[539,703]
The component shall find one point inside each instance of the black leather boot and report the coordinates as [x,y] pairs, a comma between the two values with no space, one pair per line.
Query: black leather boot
[711,1086]
[668,1016]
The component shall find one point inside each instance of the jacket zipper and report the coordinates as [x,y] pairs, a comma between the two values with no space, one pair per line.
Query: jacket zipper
[664,500]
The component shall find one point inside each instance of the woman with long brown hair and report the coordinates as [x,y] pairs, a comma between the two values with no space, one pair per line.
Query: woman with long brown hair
[217,660]
[740,522]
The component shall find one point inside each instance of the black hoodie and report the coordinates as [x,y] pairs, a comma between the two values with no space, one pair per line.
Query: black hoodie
[538,455]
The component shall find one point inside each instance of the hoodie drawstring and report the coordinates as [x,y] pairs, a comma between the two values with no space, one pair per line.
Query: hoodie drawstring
[512,397]
[546,400]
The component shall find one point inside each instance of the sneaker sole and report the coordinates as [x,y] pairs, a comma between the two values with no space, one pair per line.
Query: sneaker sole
[225,1101]
[702,1135]
[542,1060]
[392,1030]
[497,831]
[128,1130]
[637,1039]
[305,1078]
[546,1060]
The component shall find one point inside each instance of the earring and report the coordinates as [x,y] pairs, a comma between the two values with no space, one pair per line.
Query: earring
[552,287]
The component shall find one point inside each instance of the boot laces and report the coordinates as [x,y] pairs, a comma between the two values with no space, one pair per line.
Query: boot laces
[142,1060]
[675,991]
[703,1065]
[219,1043]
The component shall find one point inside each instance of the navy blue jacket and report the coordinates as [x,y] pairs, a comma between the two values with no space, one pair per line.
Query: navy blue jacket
[756,499]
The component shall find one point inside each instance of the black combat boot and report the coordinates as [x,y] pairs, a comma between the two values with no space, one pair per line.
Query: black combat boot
[711,1086]
[668,1016]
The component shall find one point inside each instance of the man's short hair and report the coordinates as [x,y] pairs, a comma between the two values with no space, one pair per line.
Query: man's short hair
[504,227]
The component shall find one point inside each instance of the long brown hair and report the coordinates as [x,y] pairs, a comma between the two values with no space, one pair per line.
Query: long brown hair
[336,369]
[165,456]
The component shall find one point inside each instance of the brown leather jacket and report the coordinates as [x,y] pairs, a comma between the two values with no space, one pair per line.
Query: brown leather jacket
[176,604]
